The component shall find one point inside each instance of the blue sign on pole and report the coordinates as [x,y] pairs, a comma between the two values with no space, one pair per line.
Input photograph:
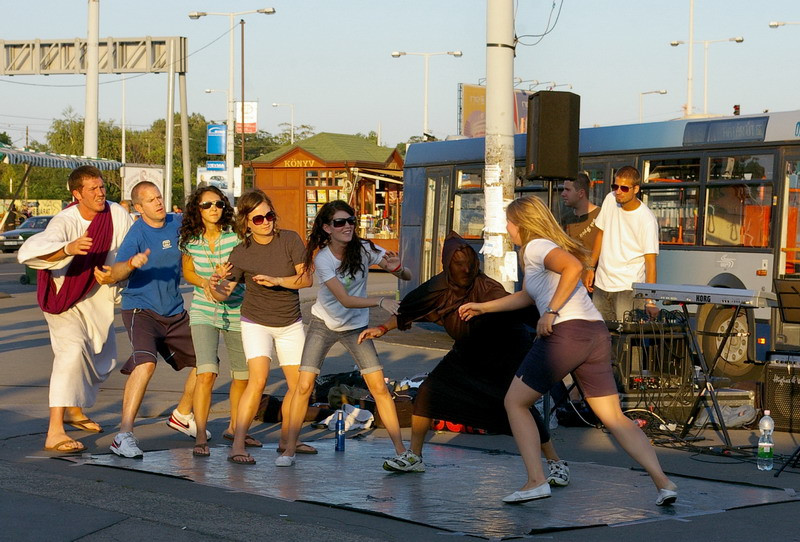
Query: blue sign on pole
[215,165]
[215,139]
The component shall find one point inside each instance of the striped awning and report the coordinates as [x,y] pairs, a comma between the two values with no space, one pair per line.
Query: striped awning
[48,159]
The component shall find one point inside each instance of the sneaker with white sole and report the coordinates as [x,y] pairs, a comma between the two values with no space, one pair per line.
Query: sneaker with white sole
[126,445]
[284,461]
[408,461]
[185,424]
[558,473]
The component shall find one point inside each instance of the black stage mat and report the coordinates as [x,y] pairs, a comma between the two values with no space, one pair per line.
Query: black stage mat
[461,490]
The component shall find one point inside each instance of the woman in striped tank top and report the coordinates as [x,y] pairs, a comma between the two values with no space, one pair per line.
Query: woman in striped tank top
[206,240]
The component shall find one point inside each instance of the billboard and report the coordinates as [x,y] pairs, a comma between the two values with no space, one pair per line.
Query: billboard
[215,138]
[250,117]
[232,188]
[133,174]
[472,110]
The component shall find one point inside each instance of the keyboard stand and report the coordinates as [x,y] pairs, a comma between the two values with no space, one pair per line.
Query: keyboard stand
[708,386]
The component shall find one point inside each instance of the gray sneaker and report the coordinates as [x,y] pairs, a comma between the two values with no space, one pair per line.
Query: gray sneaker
[558,473]
[408,461]
[126,445]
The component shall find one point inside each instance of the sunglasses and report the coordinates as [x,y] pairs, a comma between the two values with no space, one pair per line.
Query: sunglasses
[340,222]
[206,205]
[259,219]
[625,189]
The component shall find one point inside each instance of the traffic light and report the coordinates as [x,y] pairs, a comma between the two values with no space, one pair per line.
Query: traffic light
[736,110]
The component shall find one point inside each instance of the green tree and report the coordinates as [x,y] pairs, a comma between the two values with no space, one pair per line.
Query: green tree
[5,139]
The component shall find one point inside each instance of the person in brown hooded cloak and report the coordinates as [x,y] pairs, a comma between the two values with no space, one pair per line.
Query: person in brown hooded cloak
[469,384]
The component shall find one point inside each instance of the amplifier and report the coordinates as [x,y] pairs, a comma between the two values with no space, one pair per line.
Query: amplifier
[782,389]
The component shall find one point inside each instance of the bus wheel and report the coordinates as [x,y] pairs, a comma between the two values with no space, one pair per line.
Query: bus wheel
[733,360]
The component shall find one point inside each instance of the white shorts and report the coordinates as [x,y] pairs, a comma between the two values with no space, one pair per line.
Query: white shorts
[287,342]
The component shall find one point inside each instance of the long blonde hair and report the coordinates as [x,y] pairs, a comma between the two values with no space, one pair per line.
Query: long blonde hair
[535,221]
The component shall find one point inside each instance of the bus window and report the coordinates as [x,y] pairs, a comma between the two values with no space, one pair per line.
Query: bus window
[792,217]
[468,215]
[673,170]
[469,179]
[745,167]
[676,211]
[738,215]
[597,190]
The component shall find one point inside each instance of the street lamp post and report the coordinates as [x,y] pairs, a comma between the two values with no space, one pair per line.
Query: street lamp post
[706,43]
[776,24]
[229,138]
[641,94]
[398,54]
[291,133]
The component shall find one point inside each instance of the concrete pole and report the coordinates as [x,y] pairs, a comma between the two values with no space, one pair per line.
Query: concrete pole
[170,130]
[229,138]
[123,145]
[499,174]
[705,77]
[92,80]
[425,98]
[690,77]
[187,165]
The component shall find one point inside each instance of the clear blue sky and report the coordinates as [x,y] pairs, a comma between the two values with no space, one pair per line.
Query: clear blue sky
[332,59]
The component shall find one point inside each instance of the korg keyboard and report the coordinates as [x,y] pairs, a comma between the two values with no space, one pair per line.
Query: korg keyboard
[694,294]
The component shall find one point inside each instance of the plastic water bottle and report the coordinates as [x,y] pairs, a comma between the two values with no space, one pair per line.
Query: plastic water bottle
[765,445]
[340,431]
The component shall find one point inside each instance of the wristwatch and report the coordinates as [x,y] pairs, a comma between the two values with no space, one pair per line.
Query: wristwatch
[548,310]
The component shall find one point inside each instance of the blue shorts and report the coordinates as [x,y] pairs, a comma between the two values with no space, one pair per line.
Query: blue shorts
[320,339]
[581,347]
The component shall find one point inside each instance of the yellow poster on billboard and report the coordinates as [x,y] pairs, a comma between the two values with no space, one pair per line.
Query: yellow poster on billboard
[473,111]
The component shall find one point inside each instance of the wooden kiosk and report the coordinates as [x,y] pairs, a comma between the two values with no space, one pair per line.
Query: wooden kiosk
[300,178]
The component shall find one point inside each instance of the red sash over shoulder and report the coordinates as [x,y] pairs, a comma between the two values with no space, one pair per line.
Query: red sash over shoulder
[79,279]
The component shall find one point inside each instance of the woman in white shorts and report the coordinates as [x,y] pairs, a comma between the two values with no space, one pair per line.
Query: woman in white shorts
[270,263]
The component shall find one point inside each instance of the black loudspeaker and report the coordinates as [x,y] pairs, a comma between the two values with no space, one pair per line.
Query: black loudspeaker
[553,128]
[782,387]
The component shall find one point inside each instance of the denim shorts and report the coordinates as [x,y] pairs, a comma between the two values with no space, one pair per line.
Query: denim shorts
[206,345]
[320,339]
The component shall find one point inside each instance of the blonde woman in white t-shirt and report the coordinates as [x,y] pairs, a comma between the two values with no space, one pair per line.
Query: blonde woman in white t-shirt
[572,338]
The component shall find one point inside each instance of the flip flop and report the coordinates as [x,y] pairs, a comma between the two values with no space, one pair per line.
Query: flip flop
[246,459]
[82,425]
[249,440]
[301,448]
[201,450]
[62,449]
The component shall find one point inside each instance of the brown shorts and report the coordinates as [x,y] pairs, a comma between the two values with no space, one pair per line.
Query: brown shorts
[152,334]
[581,347]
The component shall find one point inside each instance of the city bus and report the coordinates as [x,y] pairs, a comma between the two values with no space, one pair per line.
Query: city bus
[724,190]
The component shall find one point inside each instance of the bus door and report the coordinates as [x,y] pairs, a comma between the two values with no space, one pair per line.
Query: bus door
[438,207]
[788,257]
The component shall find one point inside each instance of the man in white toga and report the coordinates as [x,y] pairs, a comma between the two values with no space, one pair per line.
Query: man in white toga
[77,295]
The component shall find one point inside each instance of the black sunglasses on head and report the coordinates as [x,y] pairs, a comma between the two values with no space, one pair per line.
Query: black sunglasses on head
[206,205]
[340,222]
[259,219]
[625,189]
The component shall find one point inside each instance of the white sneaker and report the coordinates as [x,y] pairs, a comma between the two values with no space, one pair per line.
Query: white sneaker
[408,461]
[538,492]
[185,424]
[558,474]
[284,461]
[126,445]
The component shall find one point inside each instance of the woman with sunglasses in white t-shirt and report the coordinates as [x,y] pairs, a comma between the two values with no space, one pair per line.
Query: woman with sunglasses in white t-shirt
[340,262]
[270,263]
